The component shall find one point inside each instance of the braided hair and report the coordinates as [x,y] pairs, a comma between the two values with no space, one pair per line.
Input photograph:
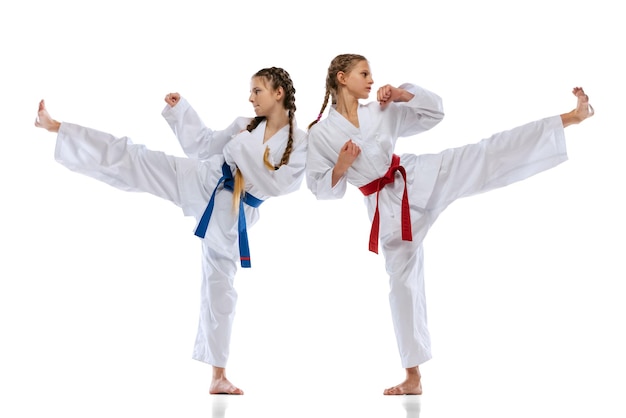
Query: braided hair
[276,77]
[344,63]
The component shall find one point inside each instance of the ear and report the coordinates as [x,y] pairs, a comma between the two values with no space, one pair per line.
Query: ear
[341,77]
[279,93]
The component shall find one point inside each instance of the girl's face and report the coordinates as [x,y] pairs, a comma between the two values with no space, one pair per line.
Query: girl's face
[358,81]
[263,98]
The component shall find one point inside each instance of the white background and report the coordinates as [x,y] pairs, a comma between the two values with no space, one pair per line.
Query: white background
[99,287]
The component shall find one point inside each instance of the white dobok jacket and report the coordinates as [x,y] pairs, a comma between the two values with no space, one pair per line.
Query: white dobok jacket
[433,181]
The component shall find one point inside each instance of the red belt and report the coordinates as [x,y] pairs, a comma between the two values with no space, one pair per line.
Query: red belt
[375,187]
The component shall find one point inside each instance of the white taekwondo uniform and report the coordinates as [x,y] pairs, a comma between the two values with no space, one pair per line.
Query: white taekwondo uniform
[189,183]
[433,181]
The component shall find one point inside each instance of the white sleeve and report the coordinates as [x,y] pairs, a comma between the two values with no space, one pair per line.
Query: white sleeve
[197,140]
[423,112]
[319,171]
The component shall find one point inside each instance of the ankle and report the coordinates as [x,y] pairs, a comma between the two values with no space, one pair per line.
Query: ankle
[55,125]
[571,118]
[413,372]
[219,373]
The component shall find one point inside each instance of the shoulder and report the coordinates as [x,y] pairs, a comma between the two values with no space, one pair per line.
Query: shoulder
[299,135]
[241,122]
[237,126]
[372,108]
[318,130]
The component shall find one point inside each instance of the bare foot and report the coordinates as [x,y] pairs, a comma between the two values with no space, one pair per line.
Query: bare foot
[412,385]
[583,109]
[44,120]
[222,386]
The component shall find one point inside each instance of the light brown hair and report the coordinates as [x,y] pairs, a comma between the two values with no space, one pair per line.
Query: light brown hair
[344,63]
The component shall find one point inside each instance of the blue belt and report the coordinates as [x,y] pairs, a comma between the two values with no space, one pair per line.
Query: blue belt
[247,198]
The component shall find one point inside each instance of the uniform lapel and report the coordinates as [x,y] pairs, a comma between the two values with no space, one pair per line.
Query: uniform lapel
[341,123]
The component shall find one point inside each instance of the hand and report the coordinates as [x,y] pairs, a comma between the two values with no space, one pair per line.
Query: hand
[347,155]
[388,93]
[172,99]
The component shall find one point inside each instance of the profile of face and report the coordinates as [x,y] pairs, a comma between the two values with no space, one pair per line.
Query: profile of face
[357,81]
[264,98]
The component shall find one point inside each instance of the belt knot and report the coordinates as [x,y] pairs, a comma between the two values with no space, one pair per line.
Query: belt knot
[375,187]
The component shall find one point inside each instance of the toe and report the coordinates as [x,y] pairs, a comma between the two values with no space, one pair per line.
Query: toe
[393,391]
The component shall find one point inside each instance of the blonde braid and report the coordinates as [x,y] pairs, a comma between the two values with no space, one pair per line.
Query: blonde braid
[277,77]
[239,186]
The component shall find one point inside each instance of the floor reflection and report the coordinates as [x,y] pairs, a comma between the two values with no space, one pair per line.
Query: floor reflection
[228,406]
[412,405]
[219,404]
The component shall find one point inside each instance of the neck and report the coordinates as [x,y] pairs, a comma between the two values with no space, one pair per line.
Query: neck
[275,123]
[347,105]
[277,120]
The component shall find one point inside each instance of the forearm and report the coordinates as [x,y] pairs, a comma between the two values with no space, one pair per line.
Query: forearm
[404,95]
[193,135]
[338,172]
